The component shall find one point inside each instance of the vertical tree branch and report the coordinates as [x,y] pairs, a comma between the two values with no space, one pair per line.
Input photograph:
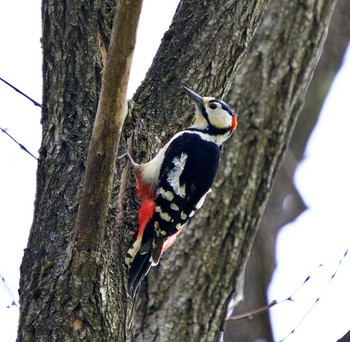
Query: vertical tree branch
[91,279]
[109,121]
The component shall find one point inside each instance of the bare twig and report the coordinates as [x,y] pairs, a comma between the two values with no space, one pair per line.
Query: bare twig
[18,143]
[251,314]
[13,302]
[123,184]
[21,92]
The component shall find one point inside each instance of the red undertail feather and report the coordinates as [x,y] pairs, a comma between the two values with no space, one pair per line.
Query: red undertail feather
[146,194]
[140,262]
[145,214]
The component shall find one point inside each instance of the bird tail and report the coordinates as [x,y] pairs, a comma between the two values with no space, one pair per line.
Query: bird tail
[139,268]
[138,257]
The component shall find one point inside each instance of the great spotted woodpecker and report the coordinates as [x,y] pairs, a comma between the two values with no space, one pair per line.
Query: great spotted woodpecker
[174,184]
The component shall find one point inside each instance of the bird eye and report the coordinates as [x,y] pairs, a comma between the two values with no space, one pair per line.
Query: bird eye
[213,105]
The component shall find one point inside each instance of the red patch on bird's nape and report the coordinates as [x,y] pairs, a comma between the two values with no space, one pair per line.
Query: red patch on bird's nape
[234,123]
[146,193]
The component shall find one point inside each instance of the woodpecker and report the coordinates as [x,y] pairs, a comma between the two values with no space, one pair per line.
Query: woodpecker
[174,184]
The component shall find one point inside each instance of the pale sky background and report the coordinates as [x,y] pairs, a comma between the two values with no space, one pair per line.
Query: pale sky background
[319,236]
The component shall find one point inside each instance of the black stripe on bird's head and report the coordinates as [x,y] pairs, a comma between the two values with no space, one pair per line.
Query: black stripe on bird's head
[212,115]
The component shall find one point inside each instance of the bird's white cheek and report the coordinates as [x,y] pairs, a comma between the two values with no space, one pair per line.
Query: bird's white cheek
[221,120]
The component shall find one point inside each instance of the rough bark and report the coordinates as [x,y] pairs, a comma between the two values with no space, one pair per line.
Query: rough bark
[202,49]
[53,307]
[109,122]
[212,251]
[91,261]
[71,81]
[285,203]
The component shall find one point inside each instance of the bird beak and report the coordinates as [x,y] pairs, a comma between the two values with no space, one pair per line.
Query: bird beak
[194,96]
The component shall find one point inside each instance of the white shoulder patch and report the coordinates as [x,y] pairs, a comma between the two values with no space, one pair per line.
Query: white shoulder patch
[151,169]
[174,175]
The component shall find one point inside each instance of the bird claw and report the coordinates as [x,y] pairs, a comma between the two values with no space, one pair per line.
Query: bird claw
[128,155]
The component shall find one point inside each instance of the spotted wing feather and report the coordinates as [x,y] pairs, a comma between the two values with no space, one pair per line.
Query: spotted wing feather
[187,174]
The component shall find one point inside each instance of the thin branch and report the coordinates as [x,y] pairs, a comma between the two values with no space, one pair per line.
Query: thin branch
[13,302]
[19,144]
[18,91]
[317,299]
[120,205]
[251,314]
[111,113]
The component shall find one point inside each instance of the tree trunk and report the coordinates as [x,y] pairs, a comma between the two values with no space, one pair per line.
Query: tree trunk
[72,68]
[269,89]
[285,203]
[202,49]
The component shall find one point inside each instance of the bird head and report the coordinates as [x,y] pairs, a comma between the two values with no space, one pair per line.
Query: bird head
[213,115]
